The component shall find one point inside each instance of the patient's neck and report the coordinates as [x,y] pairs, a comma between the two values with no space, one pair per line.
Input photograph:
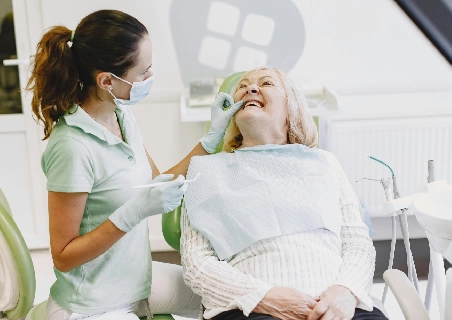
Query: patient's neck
[256,138]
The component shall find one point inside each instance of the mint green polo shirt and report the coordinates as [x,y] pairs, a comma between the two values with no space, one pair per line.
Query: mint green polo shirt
[83,156]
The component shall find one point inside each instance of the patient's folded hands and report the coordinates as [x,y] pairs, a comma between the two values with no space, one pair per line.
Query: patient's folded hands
[337,302]
[222,110]
[286,303]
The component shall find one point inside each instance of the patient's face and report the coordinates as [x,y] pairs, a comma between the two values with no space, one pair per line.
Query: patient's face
[264,100]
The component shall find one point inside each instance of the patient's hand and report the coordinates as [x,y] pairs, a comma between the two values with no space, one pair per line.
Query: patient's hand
[286,303]
[337,302]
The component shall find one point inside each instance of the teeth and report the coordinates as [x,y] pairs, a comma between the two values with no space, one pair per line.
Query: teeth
[254,103]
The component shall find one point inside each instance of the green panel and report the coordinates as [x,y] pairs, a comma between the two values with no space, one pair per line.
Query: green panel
[22,258]
[316,120]
[4,202]
[38,312]
[161,317]
[229,84]
[171,228]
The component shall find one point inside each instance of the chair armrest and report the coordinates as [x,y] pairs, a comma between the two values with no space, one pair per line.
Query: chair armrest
[406,295]
[170,295]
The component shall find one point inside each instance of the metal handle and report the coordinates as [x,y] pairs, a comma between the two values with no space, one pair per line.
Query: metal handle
[15,62]
[431,171]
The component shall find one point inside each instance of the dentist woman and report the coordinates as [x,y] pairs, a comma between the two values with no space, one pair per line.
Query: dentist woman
[83,82]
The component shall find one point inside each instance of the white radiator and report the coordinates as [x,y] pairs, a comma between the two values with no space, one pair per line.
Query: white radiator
[405,144]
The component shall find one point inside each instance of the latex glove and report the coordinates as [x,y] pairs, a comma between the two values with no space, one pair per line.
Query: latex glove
[337,302]
[286,304]
[219,120]
[150,201]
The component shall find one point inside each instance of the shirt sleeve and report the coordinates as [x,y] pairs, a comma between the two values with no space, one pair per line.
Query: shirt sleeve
[68,167]
[358,252]
[221,286]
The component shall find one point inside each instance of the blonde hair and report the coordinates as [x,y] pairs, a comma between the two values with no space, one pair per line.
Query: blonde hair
[302,128]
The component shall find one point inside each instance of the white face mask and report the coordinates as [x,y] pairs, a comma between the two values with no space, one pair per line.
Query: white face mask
[138,92]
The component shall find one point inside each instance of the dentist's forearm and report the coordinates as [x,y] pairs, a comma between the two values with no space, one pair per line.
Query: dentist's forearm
[88,247]
[182,167]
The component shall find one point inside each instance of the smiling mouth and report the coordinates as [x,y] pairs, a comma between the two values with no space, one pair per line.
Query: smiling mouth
[254,104]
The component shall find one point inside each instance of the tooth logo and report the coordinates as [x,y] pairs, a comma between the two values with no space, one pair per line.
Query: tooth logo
[217,38]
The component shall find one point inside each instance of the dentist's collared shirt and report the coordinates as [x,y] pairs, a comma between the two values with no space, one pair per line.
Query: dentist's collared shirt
[83,156]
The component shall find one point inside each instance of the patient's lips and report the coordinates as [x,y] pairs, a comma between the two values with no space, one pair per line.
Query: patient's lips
[253,103]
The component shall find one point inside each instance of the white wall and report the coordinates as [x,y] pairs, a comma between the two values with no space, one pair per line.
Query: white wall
[359,47]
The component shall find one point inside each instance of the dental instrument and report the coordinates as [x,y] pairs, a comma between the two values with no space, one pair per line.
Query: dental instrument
[431,207]
[392,194]
[153,185]
[430,277]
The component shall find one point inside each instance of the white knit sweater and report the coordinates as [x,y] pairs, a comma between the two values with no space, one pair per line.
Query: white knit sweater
[308,261]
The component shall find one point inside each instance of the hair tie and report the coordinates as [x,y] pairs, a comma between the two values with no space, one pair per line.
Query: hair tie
[72,36]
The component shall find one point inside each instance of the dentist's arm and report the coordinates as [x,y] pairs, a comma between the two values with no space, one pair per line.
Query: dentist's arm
[220,118]
[70,249]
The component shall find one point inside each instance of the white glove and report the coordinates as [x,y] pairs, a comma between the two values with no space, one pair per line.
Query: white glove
[221,112]
[150,201]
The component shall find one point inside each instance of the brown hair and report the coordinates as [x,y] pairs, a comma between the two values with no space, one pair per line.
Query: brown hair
[62,72]
[302,128]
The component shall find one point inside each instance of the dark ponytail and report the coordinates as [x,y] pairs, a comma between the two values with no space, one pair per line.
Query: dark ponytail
[64,70]
[54,78]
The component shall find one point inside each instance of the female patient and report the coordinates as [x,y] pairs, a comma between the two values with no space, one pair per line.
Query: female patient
[272,228]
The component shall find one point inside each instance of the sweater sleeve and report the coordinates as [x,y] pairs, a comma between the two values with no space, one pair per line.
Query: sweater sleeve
[358,252]
[221,286]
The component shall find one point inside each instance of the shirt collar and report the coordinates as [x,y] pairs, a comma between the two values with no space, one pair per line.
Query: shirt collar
[77,117]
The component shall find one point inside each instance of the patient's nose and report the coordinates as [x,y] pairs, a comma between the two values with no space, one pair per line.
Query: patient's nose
[252,89]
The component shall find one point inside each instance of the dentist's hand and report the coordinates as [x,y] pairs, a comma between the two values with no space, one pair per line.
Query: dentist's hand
[286,304]
[150,201]
[220,119]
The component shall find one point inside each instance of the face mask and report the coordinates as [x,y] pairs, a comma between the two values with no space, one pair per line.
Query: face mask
[138,92]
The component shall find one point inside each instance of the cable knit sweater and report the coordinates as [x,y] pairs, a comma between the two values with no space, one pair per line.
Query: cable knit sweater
[308,261]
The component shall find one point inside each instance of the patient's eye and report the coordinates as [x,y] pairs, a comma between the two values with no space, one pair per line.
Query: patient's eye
[241,86]
[267,83]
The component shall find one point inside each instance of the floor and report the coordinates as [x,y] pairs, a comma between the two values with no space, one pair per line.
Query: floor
[45,277]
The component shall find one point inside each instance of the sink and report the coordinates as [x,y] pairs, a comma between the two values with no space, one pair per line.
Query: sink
[434,213]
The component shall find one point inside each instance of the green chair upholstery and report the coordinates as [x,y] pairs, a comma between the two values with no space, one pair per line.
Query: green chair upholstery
[38,312]
[22,259]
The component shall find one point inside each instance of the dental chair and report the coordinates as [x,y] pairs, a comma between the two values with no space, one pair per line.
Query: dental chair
[18,282]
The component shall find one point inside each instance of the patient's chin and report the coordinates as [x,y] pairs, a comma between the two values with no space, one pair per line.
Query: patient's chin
[246,118]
